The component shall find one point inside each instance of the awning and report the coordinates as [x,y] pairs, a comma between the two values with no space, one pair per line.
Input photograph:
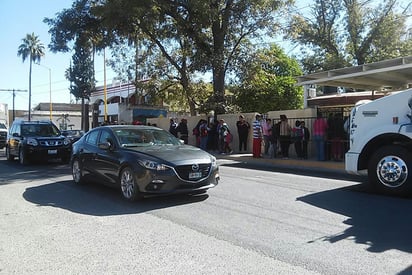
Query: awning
[393,74]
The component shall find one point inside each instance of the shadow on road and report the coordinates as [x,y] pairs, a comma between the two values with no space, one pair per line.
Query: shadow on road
[98,200]
[14,172]
[380,222]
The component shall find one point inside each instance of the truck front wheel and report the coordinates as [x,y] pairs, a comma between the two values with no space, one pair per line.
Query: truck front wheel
[389,170]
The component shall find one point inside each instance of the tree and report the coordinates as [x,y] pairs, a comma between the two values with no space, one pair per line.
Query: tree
[81,76]
[33,49]
[208,33]
[268,82]
[349,32]
[79,26]
[144,24]
[218,28]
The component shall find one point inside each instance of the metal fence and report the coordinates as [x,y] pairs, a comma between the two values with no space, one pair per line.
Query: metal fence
[336,143]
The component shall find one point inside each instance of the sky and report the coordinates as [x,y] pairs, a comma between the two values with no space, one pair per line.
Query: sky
[21,17]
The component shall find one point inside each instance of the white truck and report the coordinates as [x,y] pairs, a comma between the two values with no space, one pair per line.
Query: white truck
[380,142]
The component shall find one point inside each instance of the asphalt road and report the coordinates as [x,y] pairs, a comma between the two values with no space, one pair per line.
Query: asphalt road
[254,222]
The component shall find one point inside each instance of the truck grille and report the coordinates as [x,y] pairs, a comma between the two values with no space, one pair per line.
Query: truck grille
[51,142]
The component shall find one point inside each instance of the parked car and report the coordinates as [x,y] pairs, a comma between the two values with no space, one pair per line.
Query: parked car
[3,135]
[73,135]
[142,161]
[36,140]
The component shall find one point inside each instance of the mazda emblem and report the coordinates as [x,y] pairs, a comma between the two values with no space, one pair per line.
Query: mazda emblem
[195,167]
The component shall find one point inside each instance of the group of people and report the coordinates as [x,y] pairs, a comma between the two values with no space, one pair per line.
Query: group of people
[209,136]
[275,139]
[278,137]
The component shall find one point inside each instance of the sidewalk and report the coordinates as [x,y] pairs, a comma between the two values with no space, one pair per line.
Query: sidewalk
[309,164]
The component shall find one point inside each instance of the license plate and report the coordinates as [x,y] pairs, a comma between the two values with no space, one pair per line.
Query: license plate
[52,152]
[195,175]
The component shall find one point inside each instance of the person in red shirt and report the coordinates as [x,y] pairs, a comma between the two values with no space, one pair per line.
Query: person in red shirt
[320,126]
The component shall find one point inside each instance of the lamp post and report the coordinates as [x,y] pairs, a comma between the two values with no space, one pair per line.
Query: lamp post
[50,93]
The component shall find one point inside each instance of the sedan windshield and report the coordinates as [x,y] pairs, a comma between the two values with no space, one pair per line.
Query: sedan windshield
[145,137]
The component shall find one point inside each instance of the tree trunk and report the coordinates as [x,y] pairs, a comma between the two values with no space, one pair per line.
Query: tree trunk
[83,116]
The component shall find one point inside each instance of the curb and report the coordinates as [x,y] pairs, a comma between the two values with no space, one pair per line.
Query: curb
[323,166]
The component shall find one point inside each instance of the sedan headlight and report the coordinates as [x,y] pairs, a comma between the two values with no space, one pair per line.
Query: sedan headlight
[32,142]
[214,161]
[153,165]
[66,141]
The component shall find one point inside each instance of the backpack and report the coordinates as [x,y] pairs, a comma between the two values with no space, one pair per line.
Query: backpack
[195,131]
[203,131]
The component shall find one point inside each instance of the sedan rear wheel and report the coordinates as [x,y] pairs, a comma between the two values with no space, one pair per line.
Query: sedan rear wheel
[128,185]
[77,172]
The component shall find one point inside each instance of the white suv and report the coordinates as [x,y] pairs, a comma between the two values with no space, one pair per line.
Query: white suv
[3,135]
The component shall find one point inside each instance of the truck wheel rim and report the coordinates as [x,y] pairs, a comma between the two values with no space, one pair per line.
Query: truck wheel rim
[392,171]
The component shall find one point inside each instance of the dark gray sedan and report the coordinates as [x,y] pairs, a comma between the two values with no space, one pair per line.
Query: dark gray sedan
[142,161]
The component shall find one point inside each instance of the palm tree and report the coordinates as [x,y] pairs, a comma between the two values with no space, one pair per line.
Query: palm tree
[34,49]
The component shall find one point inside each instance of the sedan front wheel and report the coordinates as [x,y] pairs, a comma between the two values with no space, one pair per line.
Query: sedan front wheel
[77,172]
[128,185]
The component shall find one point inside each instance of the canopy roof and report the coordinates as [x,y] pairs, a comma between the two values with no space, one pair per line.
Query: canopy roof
[393,74]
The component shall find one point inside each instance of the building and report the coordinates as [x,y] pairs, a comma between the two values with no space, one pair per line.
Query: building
[64,115]
[120,104]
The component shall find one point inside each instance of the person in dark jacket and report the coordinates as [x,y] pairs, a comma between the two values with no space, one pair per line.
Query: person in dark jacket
[183,130]
[173,127]
[306,137]
[243,128]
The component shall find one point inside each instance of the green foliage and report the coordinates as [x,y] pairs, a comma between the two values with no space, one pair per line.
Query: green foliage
[193,36]
[33,49]
[269,83]
[350,32]
[81,73]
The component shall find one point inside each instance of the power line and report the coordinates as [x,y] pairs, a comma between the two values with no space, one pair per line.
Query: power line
[14,95]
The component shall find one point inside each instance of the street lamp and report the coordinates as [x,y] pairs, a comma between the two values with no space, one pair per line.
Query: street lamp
[50,100]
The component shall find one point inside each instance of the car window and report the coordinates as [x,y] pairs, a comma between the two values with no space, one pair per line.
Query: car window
[105,137]
[91,138]
[144,137]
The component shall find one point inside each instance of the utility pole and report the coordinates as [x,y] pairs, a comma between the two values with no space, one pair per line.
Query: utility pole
[14,95]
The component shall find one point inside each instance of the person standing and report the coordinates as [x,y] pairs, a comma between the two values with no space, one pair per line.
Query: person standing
[320,126]
[284,136]
[183,130]
[337,136]
[173,127]
[203,134]
[305,139]
[297,134]
[257,136]
[196,132]
[243,128]
[266,129]
[224,142]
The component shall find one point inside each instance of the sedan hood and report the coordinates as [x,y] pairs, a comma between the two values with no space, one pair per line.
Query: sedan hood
[176,154]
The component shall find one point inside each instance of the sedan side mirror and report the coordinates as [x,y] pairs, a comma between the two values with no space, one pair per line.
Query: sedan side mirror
[105,145]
